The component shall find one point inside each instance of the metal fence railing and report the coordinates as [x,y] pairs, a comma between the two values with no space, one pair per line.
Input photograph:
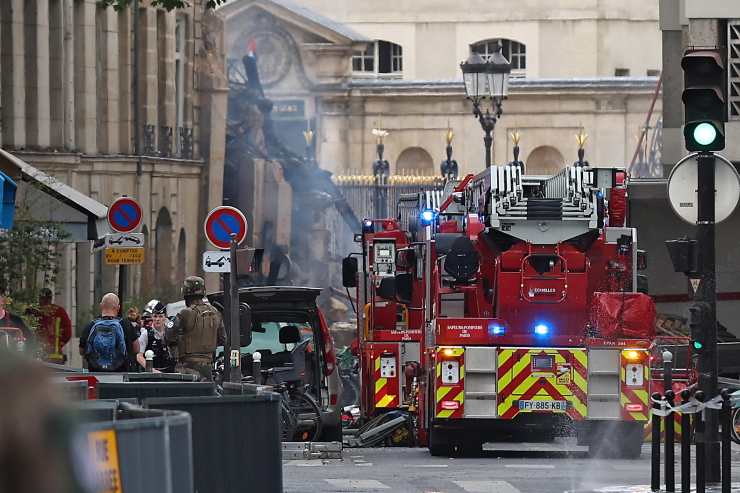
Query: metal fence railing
[373,197]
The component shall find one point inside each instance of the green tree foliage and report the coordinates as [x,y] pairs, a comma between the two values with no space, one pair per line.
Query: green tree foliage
[28,259]
[167,4]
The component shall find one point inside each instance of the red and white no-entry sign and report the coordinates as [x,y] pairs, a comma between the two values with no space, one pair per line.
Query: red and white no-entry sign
[124,215]
[221,223]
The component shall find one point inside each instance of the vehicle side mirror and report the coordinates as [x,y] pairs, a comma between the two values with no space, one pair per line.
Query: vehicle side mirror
[245,324]
[642,262]
[404,285]
[349,272]
[387,288]
[406,258]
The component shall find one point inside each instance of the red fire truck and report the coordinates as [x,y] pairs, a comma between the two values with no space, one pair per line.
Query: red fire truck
[520,293]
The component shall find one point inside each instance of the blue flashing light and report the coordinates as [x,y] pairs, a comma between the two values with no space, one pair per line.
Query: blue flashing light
[541,329]
[496,329]
[367,225]
[427,217]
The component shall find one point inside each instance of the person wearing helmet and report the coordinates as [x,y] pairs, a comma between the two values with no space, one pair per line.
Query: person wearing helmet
[154,339]
[197,331]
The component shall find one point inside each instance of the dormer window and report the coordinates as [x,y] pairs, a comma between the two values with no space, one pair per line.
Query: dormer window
[515,53]
[380,58]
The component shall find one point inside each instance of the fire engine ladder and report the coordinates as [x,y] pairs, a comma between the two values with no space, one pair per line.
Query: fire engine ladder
[562,207]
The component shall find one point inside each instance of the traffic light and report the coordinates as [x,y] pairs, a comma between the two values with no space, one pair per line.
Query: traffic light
[699,317]
[705,107]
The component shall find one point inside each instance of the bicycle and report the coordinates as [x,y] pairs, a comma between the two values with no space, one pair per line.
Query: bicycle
[735,431]
[300,414]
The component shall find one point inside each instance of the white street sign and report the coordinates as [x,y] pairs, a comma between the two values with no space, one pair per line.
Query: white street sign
[683,185]
[215,261]
[119,240]
[124,240]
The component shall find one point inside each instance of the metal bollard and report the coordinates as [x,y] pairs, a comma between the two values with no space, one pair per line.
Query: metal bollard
[685,445]
[149,357]
[670,465]
[700,452]
[726,416]
[655,455]
[257,367]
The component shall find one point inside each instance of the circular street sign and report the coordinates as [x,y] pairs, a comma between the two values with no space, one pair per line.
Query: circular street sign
[221,223]
[124,215]
[683,184]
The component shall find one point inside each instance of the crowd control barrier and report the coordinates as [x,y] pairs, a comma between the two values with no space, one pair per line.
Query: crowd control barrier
[144,390]
[72,391]
[236,441]
[137,450]
[694,409]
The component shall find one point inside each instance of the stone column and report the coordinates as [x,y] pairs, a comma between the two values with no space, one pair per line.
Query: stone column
[68,84]
[166,56]
[37,74]
[107,84]
[56,73]
[85,77]
[13,74]
[148,70]
[125,83]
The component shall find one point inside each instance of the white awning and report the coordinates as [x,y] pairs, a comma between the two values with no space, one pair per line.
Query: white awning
[47,192]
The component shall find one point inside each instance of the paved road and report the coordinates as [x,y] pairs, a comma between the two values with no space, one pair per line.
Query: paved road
[517,470]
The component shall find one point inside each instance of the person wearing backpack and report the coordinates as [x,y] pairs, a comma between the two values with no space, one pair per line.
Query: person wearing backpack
[107,341]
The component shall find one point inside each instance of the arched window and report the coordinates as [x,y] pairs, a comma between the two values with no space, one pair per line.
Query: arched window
[415,159]
[163,250]
[148,267]
[181,257]
[378,58]
[514,51]
[544,160]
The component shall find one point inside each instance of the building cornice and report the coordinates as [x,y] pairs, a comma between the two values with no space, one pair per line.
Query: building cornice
[386,88]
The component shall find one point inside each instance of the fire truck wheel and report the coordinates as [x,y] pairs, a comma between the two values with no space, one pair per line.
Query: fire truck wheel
[622,440]
[332,434]
[630,442]
[438,444]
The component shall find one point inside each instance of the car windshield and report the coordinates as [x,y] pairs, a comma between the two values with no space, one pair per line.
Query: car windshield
[266,336]
[266,329]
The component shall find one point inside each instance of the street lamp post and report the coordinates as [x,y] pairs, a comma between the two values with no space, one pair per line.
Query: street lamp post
[487,79]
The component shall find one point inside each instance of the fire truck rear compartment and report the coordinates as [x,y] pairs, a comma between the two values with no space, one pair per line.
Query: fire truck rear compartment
[504,392]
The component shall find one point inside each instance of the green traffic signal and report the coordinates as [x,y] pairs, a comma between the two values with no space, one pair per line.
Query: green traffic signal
[698,346]
[705,134]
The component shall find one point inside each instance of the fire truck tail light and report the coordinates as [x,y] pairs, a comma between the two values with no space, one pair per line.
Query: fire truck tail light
[448,352]
[451,405]
[634,375]
[632,355]
[633,407]
[450,372]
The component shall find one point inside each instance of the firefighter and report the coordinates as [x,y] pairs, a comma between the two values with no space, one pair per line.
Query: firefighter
[55,327]
[197,331]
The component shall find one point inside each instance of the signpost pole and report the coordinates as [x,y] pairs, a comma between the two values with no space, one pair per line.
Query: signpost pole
[706,292]
[235,372]
[225,282]
[122,287]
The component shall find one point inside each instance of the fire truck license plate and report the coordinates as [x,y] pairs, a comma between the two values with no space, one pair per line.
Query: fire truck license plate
[543,405]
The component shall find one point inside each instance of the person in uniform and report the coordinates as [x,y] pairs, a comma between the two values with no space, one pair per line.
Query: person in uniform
[197,331]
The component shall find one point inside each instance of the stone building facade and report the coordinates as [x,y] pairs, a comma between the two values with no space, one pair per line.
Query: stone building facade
[344,68]
[67,78]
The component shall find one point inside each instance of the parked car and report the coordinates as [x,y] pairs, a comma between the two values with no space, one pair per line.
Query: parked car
[277,311]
